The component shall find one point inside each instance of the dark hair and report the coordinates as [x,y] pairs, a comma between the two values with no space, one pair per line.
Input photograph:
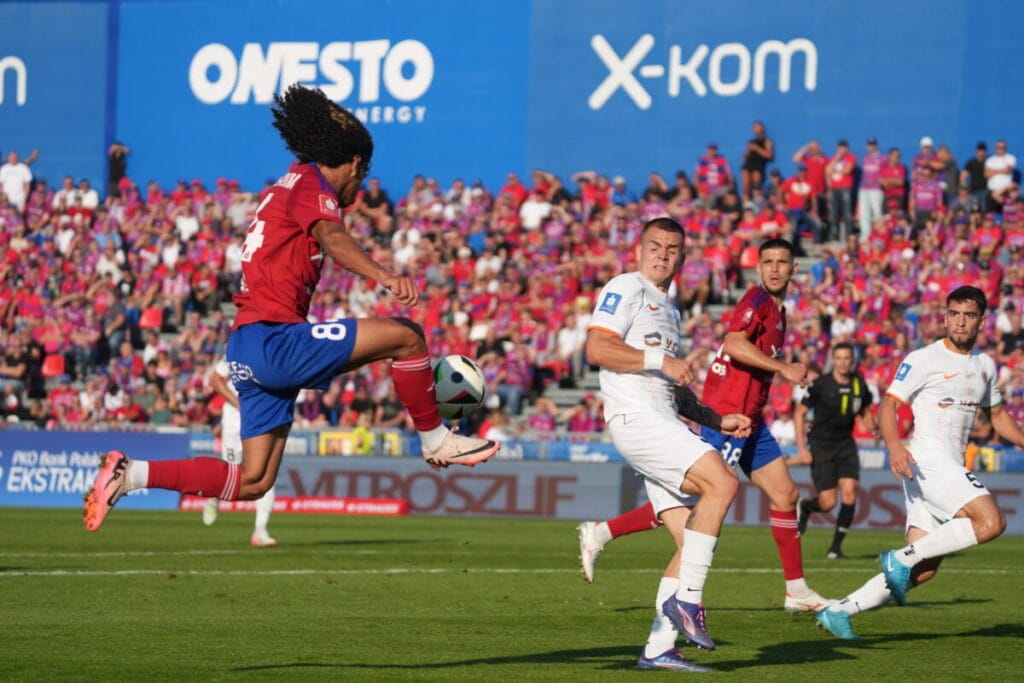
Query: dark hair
[663,223]
[969,293]
[776,243]
[843,345]
[317,130]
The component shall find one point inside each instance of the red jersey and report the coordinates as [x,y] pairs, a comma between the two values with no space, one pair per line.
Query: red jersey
[732,387]
[281,259]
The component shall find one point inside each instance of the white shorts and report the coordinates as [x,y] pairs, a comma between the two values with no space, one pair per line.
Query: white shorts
[661,448]
[231,446]
[937,492]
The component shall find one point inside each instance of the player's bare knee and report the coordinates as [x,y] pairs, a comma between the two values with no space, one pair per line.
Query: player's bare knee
[725,487]
[410,340]
[990,527]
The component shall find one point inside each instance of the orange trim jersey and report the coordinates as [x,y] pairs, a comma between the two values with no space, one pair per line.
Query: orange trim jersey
[641,315]
[944,389]
[281,259]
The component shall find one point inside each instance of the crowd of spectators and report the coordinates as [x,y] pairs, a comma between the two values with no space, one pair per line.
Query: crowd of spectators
[113,310]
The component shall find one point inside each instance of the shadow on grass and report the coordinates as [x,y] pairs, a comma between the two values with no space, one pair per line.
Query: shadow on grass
[823,649]
[833,649]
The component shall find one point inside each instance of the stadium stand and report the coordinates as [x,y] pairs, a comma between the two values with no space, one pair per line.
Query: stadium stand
[113,312]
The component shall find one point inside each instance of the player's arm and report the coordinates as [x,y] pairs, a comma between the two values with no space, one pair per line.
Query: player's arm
[692,408]
[607,350]
[739,348]
[900,458]
[219,384]
[1005,425]
[347,253]
[803,455]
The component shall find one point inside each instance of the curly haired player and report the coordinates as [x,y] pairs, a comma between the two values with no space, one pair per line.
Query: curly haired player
[273,352]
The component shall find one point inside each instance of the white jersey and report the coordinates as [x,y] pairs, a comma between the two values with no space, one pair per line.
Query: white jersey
[231,419]
[643,317]
[945,390]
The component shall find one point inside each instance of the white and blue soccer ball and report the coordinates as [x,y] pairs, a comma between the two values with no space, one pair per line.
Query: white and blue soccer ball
[460,386]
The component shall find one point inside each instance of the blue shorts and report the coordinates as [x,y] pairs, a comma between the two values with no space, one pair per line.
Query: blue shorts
[752,453]
[271,362]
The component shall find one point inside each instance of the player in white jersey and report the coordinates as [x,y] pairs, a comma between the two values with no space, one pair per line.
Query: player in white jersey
[948,508]
[231,451]
[634,337]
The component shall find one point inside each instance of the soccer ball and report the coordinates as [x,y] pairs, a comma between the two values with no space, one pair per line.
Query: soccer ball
[460,386]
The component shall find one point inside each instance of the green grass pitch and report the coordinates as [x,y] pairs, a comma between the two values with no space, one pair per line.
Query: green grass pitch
[156,596]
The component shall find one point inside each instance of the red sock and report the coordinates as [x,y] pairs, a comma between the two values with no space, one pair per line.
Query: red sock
[638,519]
[208,477]
[787,538]
[414,384]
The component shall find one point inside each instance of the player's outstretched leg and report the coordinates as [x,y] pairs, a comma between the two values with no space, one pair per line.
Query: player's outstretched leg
[261,538]
[836,622]
[691,620]
[457,449]
[897,575]
[111,483]
[672,660]
[590,548]
[210,509]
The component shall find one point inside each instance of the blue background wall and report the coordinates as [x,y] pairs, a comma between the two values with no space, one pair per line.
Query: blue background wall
[511,83]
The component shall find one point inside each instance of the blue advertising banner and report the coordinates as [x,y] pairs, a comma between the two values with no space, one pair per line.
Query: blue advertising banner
[56,469]
[637,87]
[440,85]
[455,88]
[53,74]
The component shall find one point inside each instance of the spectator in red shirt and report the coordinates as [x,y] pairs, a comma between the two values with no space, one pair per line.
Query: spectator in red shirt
[811,156]
[515,189]
[798,197]
[893,179]
[839,174]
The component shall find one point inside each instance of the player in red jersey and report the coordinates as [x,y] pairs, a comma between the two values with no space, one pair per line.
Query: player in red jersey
[273,352]
[738,382]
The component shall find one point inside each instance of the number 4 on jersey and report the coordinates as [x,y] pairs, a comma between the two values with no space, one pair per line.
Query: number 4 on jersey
[254,239]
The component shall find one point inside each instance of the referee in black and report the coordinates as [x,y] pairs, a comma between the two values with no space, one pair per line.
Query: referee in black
[836,398]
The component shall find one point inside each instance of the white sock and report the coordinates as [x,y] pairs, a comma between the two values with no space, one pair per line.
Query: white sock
[798,588]
[603,533]
[264,506]
[138,474]
[694,563]
[432,438]
[956,534]
[663,632]
[869,596]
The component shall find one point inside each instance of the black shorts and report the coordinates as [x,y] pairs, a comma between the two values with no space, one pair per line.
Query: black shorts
[832,461]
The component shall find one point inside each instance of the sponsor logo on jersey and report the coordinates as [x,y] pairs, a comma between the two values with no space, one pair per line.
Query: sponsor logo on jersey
[610,303]
[748,315]
[732,69]
[902,372]
[652,339]
[329,206]
[377,79]
[949,375]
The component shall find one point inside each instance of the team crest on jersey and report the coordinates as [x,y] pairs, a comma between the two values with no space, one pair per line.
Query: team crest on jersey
[748,315]
[903,371]
[610,303]
[329,206]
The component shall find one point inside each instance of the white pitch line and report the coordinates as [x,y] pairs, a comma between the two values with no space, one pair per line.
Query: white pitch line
[427,570]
